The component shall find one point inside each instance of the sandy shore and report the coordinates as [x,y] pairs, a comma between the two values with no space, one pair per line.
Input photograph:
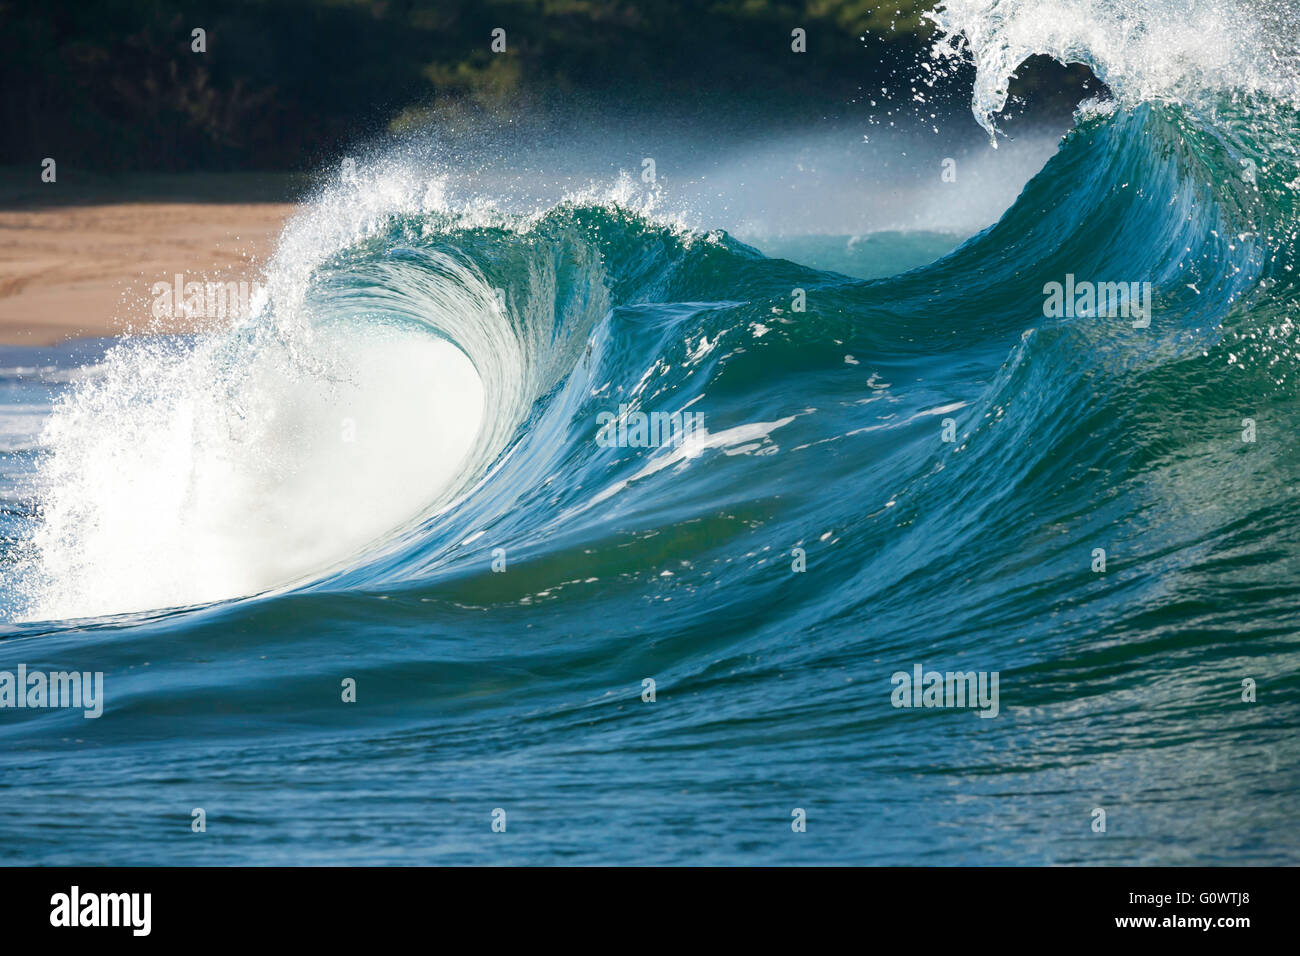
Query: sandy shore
[88,270]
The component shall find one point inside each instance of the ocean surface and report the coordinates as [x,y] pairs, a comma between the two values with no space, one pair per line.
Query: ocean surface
[364,577]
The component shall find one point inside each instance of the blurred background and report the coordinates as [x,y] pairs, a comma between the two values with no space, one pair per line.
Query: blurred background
[115,86]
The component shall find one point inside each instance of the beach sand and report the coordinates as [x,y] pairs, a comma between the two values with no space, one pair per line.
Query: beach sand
[80,256]
[87,270]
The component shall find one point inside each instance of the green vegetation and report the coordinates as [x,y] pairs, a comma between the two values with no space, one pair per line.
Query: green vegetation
[283,84]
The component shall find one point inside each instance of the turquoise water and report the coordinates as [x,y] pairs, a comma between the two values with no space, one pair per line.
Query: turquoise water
[873,256]
[770,575]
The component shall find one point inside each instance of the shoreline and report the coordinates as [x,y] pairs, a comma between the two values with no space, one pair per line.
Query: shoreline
[83,263]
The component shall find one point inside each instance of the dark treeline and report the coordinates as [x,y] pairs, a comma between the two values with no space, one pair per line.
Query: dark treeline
[284,84]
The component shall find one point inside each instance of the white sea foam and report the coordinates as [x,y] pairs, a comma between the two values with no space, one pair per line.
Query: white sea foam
[177,480]
[1144,50]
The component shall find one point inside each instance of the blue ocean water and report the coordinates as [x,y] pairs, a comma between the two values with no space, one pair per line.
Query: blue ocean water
[242,531]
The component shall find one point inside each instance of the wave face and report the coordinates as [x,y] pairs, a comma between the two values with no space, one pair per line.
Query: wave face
[397,472]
